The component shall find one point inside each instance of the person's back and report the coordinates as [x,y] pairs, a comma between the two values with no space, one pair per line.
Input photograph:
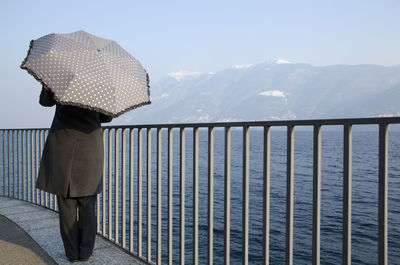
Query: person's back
[71,167]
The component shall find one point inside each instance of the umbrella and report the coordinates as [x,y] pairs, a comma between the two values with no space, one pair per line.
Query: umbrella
[88,71]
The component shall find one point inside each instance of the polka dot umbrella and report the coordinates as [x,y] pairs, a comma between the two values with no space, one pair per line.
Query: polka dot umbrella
[88,71]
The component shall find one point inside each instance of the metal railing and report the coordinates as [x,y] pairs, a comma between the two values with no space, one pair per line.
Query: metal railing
[120,206]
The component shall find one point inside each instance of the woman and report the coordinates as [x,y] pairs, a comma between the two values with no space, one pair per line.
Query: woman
[71,167]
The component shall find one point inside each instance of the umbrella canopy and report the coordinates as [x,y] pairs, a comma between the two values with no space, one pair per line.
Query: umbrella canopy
[88,71]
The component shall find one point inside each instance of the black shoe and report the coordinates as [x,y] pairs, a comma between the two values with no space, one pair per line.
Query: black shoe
[84,258]
[72,260]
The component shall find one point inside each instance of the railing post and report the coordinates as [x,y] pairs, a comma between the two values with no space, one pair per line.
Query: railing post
[159,185]
[148,194]
[347,183]
[139,191]
[18,167]
[110,148]
[245,199]
[170,194]
[4,163]
[383,196]
[116,184]
[289,194]
[182,194]
[227,193]
[37,161]
[124,188]
[210,194]
[32,165]
[23,167]
[13,162]
[316,195]
[8,162]
[266,193]
[103,212]
[42,193]
[131,187]
[195,195]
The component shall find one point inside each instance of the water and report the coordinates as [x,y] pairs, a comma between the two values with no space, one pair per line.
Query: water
[364,197]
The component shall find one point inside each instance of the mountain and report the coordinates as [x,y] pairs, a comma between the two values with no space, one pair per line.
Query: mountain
[273,90]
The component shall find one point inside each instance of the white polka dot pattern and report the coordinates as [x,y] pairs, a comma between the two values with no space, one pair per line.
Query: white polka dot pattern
[88,71]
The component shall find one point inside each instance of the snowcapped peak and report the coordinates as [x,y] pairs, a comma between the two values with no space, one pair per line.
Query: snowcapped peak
[183,74]
[239,66]
[273,93]
[280,61]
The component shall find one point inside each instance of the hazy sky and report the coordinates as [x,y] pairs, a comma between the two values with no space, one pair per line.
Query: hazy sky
[200,36]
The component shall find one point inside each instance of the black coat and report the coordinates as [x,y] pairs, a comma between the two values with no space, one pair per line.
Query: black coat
[73,155]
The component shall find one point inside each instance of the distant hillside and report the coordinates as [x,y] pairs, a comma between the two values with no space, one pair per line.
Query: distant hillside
[273,90]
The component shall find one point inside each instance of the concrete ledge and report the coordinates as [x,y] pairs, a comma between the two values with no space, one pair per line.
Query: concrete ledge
[42,225]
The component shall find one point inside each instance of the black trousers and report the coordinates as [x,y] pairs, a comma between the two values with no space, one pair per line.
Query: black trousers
[77,225]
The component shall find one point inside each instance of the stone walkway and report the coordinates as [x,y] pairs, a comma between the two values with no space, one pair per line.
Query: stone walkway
[29,234]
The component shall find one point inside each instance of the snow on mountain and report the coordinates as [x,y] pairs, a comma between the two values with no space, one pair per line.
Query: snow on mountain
[280,61]
[238,66]
[269,91]
[183,74]
[272,93]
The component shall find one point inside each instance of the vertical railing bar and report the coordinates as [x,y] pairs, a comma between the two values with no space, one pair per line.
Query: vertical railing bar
[103,195]
[116,184]
[13,161]
[6,172]
[8,162]
[27,170]
[4,163]
[383,196]
[316,194]
[37,161]
[99,228]
[139,210]
[17,171]
[32,166]
[23,150]
[289,194]
[210,195]
[148,194]
[41,132]
[159,185]
[131,188]
[18,167]
[124,188]
[196,195]
[33,177]
[227,195]
[41,153]
[266,193]
[347,183]
[182,174]
[170,194]
[110,148]
[99,231]
[245,199]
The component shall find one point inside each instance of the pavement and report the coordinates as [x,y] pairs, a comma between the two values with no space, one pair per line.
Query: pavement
[29,234]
